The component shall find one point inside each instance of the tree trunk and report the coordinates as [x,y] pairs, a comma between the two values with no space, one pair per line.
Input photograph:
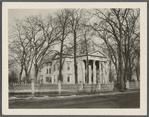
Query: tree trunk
[35,73]
[20,75]
[61,55]
[87,67]
[27,75]
[87,61]
[121,67]
[60,67]
[75,63]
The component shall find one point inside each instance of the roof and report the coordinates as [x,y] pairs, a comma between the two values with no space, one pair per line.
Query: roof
[93,54]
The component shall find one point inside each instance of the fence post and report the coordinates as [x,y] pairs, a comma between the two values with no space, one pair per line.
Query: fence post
[81,86]
[127,84]
[99,86]
[137,84]
[59,87]
[32,86]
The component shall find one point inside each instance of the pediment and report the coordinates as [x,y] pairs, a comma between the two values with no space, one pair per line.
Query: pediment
[97,53]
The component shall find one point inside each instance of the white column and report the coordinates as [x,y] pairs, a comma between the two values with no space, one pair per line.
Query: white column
[59,87]
[32,83]
[79,72]
[73,76]
[100,75]
[94,72]
[90,72]
[104,73]
[83,72]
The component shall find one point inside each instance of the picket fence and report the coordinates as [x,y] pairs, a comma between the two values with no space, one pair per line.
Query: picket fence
[16,87]
[134,85]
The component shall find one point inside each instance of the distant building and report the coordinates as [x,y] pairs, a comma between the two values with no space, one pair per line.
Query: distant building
[98,69]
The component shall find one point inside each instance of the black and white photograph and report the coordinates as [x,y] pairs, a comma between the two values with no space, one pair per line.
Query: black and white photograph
[74,58]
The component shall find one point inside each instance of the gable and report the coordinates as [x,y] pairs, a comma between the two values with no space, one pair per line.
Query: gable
[97,53]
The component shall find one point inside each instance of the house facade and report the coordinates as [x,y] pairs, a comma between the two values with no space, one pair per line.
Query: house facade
[98,69]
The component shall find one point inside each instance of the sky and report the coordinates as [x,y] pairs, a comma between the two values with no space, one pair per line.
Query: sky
[22,13]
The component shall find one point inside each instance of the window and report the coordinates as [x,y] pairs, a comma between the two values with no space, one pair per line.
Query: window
[54,78]
[68,79]
[68,68]
[50,79]
[47,79]
[49,70]
[68,65]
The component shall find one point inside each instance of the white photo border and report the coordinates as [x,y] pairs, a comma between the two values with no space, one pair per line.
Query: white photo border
[57,5]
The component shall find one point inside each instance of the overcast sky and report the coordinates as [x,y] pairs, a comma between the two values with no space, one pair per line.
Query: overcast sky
[22,13]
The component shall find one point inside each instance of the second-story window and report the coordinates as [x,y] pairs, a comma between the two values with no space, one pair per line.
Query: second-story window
[54,68]
[49,70]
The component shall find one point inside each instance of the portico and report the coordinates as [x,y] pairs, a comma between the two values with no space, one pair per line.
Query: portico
[98,69]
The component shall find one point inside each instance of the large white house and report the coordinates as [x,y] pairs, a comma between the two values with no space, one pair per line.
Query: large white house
[98,69]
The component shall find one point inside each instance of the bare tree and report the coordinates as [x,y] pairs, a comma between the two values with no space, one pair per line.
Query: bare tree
[43,34]
[19,47]
[12,66]
[33,40]
[132,42]
[113,29]
[75,19]
[62,20]
[85,46]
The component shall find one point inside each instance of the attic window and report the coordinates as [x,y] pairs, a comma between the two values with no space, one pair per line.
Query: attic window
[68,65]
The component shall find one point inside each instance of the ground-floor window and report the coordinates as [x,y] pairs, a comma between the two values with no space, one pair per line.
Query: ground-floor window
[68,79]
[48,79]
[60,79]
[54,78]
